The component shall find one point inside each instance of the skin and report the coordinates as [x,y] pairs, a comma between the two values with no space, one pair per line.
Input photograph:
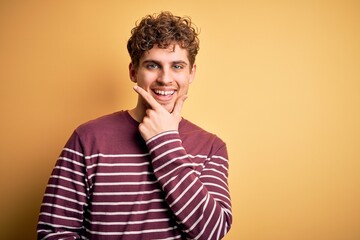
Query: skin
[163,78]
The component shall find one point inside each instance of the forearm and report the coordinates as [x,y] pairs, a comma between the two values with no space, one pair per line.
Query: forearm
[200,202]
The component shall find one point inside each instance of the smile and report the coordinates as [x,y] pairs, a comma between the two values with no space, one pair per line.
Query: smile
[164,93]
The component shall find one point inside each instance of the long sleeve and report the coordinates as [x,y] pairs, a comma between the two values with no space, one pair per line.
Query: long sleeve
[196,191]
[61,213]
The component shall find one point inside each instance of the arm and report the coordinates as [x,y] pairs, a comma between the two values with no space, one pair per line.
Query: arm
[61,213]
[200,203]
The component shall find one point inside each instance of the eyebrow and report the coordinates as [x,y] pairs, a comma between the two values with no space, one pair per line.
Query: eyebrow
[159,63]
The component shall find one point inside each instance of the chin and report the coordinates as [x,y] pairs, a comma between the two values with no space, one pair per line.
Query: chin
[169,108]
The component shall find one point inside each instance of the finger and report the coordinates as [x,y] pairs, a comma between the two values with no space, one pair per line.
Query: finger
[147,97]
[179,105]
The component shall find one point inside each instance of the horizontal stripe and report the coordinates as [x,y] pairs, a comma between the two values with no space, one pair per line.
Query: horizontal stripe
[126,203]
[166,153]
[161,135]
[62,207]
[69,170]
[64,198]
[131,232]
[61,217]
[130,213]
[71,161]
[59,225]
[125,193]
[66,189]
[128,222]
[125,183]
[164,143]
[67,179]
[120,174]
[117,165]
[220,157]
[116,155]
[73,151]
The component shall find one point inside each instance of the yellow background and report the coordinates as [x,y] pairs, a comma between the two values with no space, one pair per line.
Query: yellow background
[279,81]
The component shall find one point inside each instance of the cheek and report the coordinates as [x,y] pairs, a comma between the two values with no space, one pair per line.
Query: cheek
[145,80]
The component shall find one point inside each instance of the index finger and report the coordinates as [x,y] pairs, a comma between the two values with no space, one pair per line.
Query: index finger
[147,97]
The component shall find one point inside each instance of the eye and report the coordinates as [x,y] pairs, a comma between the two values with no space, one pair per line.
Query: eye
[178,67]
[152,66]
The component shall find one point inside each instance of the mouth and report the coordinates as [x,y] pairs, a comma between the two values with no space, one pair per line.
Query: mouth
[163,92]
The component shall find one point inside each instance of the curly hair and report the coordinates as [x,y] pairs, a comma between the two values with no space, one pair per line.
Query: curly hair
[163,29]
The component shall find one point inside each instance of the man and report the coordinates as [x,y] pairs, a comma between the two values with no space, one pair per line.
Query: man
[145,173]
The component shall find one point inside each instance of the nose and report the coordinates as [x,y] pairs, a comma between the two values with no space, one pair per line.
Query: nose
[164,77]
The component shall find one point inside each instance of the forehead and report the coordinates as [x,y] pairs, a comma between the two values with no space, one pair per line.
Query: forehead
[172,53]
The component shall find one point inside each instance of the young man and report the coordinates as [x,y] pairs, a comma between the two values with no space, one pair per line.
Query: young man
[145,173]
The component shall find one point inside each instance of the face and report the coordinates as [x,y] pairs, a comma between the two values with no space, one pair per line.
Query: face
[165,74]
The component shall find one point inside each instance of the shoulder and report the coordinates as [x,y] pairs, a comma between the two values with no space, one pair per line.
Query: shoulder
[114,122]
[193,133]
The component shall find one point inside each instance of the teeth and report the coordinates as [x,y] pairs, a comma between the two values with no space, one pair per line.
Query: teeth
[164,93]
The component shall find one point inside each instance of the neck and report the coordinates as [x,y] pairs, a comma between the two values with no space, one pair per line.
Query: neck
[138,113]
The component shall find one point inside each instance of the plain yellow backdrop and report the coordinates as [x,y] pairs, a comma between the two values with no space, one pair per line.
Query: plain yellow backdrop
[278,81]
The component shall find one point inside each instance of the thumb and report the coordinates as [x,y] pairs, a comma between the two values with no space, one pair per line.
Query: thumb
[179,105]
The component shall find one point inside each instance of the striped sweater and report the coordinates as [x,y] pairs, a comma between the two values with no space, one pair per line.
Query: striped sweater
[108,183]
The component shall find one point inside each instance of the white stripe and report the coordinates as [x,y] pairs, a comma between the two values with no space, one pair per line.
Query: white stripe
[167,152]
[178,184]
[160,135]
[170,238]
[71,161]
[219,194]
[64,198]
[226,205]
[58,225]
[219,165]
[189,201]
[202,214]
[220,157]
[55,234]
[164,143]
[129,213]
[132,232]
[217,178]
[216,185]
[116,155]
[183,193]
[194,210]
[73,151]
[117,165]
[175,169]
[179,158]
[126,203]
[207,222]
[62,207]
[125,193]
[61,217]
[214,170]
[68,179]
[129,222]
[69,170]
[120,174]
[217,225]
[124,183]
[67,189]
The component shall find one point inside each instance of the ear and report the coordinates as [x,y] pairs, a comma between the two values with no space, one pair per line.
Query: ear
[132,73]
[192,73]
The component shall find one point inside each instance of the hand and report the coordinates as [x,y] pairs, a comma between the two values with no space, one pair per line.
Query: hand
[157,119]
